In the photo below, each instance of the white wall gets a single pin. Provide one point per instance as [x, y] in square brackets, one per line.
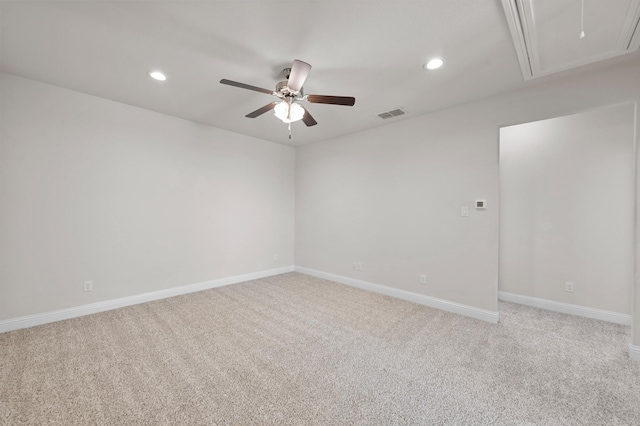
[390, 197]
[134, 200]
[566, 209]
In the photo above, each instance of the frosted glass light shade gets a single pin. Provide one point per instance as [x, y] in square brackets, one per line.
[281, 110]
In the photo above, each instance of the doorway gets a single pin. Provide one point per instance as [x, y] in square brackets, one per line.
[567, 213]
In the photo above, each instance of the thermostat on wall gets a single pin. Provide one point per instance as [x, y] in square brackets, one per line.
[481, 204]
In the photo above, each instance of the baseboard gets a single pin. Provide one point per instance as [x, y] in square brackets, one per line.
[634, 352]
[432, 302]
[566, 308]
[78, 311]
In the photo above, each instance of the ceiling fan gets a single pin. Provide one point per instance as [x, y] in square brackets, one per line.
[288, 109]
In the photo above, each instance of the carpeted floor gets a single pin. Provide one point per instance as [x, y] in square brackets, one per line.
[294, 349]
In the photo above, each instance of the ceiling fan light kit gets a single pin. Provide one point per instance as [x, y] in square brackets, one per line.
[290, 93]
[288, 113]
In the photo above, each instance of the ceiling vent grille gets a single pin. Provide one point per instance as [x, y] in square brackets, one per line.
[393, 113]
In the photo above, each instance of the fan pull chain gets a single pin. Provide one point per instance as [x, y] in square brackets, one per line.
[289, 130]
[582, 21]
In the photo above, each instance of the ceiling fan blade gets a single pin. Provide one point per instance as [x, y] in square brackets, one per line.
[297, 76]
[333, 100]
[260, 111]
[308, 119]
[246, 86]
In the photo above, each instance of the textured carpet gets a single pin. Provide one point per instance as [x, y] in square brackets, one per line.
[294, 349]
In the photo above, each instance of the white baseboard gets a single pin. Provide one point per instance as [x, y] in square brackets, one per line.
[634, 352]
[566, 308]
[78, 311]
[432, 302]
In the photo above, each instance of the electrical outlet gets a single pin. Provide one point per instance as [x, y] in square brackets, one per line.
[359, 266]
[355, 266]
[423, 279]
[88, 285]
[568, 287]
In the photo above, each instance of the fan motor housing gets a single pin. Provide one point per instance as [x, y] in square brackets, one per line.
[282, 88]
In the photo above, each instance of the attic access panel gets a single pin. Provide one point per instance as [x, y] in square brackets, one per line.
[546, 33]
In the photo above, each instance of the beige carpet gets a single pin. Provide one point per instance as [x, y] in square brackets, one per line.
[294, 349]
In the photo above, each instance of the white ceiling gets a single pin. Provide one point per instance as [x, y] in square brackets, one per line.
[372, 50]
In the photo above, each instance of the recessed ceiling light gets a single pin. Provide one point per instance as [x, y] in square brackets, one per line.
[434, 64]
[157, 75]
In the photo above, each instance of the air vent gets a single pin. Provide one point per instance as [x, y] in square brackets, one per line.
[393, 113]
